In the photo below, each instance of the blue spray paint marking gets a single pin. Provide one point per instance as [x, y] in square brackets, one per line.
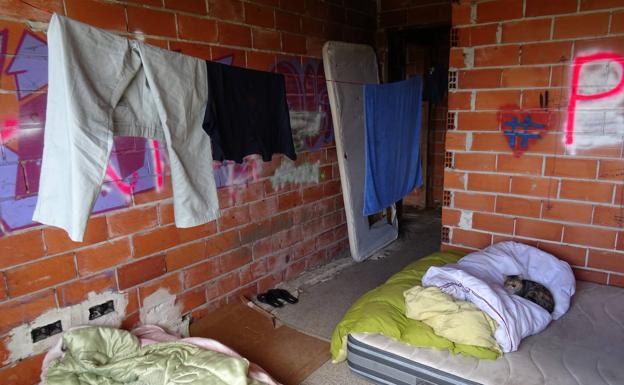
[519, 139]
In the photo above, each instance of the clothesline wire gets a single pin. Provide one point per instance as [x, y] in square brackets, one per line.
[347, 82]
[36, 7]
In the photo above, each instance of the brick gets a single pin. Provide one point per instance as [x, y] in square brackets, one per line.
[611, 169]
[475, 161]
[617, 22]
[499, 10]
[255, 231]
[234, 34]
[433, 14]
[455, 141]
[194, 28]
[525, 77]
[518, 206]
[172, 283]
[24, 372]
[263, 39]
[228, 283]
[589, 236]
[471, 238]
[608, 216]
[39, 10]
[606, 260]
[571, 168]
[477, 121]
[57, 241]
[233, 217]
[191, 299]
[460, 13]
[485, 78]
[75, 292]
[488, 182]
[493, 100]
[24, 310]
[156, 194]
[586, 191]
[141, 271]
[570, 254]
[545, 53]
[288, 200]
[599, 4]
[253, 272]
[581, 25]
[101, 15]
[541, 8]
[20, 248]
[226, 9]
[479, 35]
[293, 5]
[450, 217]
[151, 22]
[469, 201]
[566, 211]
[287, 22]
[457, 58]
[191, 6]
[165, 213]
[526, 30]
[616, 280]
[260, 61]
[293, 43]
[259, 15]
[221, 242]
[591, 276]
[493, 223]
[103, 256]
[454, 180]
[503, 55]
[133, 220]
[312, 27]
[520, 165]
[41, 274]
[538, 229]
[494, 141]
[459, 100]
[202, 272]
[235, 259]
[159, 239]
[185, 255]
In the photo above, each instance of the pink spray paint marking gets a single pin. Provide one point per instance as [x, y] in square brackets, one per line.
[157, 165]
[10, 129]
[579, 62]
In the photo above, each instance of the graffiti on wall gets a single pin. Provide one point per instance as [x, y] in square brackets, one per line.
[522, 128]
[594, 112]
[136, 165]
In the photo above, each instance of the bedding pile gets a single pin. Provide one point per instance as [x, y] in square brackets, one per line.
[479, 277]
[108, 356]
[458, 321]
[382, 311]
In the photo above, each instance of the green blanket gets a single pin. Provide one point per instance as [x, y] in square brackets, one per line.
[382, 311]
[107, 356]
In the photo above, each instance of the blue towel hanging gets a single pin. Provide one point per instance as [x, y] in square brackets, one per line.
[393, 114]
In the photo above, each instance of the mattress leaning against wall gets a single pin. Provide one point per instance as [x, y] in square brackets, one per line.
[347, 68]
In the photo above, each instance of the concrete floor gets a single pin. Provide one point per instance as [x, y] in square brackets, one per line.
[322, 304]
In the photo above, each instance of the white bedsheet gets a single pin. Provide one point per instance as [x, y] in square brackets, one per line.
[479, 278]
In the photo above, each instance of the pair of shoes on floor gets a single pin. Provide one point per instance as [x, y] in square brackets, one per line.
[273, 297]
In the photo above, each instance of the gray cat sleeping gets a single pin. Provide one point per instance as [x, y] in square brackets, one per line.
[531, 290]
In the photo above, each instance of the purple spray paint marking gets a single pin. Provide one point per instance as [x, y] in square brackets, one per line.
[30, 65]
[4, 42]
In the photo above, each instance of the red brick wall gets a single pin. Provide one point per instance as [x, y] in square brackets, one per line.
[561, 190]
[264, 235]
[409, 13]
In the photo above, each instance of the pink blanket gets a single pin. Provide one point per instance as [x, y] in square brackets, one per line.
[150, 334]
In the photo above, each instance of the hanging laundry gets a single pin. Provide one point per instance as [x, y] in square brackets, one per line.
[103, 85]
[247, 113]
[392, 142]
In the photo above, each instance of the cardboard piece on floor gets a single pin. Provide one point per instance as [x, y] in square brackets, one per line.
[285, 353]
